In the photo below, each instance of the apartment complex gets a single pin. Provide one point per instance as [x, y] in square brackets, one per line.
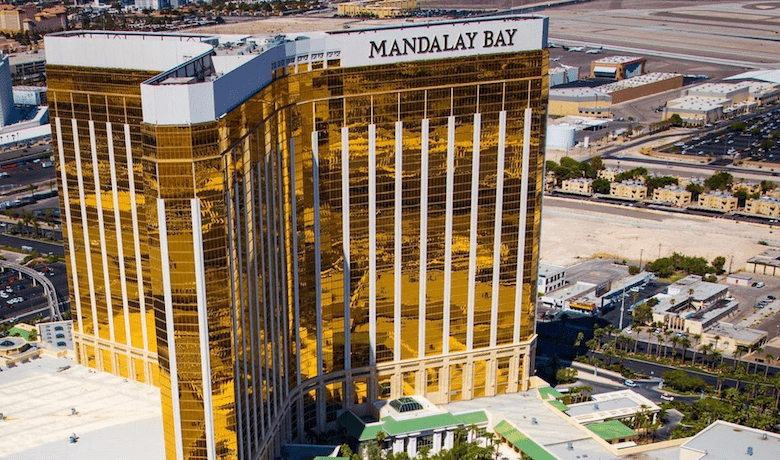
[27, 18]
[275, 231]
[630, 190]
[718, 200]
[377, 8]
[674, 195]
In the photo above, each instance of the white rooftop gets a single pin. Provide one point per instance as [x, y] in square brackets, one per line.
[611, 405]
[729, 441]
[116, 419]
[697, 103]
[617, 59]
[771, 76]
[639, 80]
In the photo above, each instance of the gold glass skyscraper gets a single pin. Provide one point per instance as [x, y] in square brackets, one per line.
[274, 230]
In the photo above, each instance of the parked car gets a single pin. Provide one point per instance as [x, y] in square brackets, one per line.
[667, 397]
[629, 383]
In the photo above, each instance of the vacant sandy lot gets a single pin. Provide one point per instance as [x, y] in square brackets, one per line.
[574, 230]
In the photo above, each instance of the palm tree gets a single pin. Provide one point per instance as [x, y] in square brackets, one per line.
[675, 341]
[685, 342]
[697, 339]
[769, 358]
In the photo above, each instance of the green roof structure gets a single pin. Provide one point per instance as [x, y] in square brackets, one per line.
[22, 333]
[547, 392]
[611, 430]
[412, 425]
[522, 442]
[558, 405]
[472, 418]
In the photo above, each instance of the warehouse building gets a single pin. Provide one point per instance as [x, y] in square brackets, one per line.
[562, 75]
[641, 86]
[618, 67]
[580, 101]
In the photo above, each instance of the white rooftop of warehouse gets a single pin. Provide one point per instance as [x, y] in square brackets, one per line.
[617, 59]
[578, 91]
[639, 80]
[116, 418]
[697, 103]
[771, 76]
[729, 441]
[580, 122]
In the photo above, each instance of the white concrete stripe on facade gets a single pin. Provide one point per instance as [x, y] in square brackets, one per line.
[102, 232]
[399, 133]
[239, 356]
[345, 239]
[203, 327]
[85, 226]
[283, 264]
[118, 231]
[318, 260]
[136, 236]
[523, 222]
[423, 234]
[497, 226]
[473, 231]
[66, 203]
[169, 325]
[296, 288]
[261, 388]
[252, 284]
[372, 243]
[274, 274]
[448, 232]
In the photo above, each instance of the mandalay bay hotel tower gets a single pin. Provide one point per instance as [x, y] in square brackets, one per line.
[273, 230]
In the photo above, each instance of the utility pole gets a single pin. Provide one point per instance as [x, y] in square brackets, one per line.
[641, 253]
[622, 307]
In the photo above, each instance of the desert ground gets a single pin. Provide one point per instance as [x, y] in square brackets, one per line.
[573, 230]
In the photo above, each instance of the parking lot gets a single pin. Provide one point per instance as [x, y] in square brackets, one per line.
[20, 299]
[759, 141]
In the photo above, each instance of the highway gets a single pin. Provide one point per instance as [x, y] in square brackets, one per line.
[40, 246]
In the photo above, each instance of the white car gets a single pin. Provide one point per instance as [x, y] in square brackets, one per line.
[667, 397]
[629, 383]
[3, 294]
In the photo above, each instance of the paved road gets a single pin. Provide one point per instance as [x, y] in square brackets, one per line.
[40, 246]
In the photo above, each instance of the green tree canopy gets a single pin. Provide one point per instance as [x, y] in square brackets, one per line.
[719, 181]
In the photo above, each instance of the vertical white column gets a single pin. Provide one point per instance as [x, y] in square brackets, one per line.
[497, 227]
[372, 242]
[523, 222]
[136, 236]
[473, 230]
[296, 291]
[118, 231]
[346, 241]
[85, 226]
[399, 132]
[169, 325]
[69, 223]
[448, 233]
[318, 260]
[203, 327]
[423, 234]
[102, 230]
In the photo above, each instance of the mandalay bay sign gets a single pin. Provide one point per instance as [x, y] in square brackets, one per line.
[439, 43]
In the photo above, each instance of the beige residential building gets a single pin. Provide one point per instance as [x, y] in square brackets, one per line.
[26, 18]
[610, 173]
[718, 200]
[673, 194]
[579, 185]
[379, 8]
[632, 190]
[750, 187]
[763, 206]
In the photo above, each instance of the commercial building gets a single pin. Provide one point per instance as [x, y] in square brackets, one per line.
[6, 93]
[674, 195]
[718, 200]
[763, 206]
[580, 101]
[28, 68]
[727, 441]
[691, 305]
[29, 95]
[696, 109]
[562, 75]
[276, 235]
[579, 186]
[766, 263]
[57, 335]
[618, 67]
[729, 338]
[630, 190]
[614, 405]
[641, 86]
[377, 8]
[26, 18]
[551, 277]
